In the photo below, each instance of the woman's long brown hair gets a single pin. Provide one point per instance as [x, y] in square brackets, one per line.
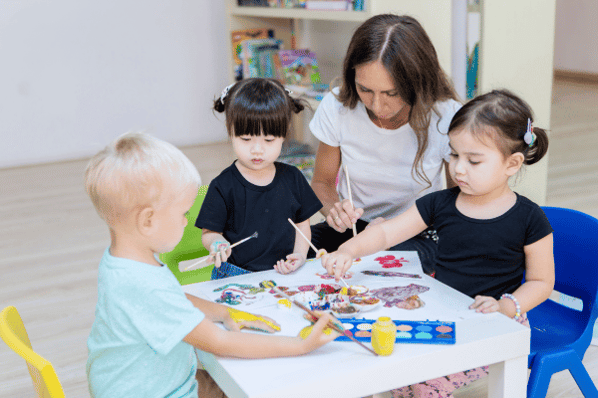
[407, 53]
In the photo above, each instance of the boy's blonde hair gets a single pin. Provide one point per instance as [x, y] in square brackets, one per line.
[134, 171]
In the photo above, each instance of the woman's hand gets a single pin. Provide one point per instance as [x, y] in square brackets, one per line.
[293, 262]
[342, 215]
[485, 304]
[337, 264]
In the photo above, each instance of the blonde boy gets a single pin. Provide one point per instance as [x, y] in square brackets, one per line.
[141, 342]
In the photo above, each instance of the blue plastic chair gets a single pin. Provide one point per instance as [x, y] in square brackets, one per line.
[561, 335]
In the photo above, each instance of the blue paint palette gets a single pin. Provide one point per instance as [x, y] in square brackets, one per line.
[418, 332]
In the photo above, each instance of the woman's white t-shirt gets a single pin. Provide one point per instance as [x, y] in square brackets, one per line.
[380, 160]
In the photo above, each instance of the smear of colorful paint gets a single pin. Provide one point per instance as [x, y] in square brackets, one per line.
[390, 261]
[391, 274]
[324, 275]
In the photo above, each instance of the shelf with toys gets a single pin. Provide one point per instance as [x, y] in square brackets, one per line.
[327, 33]
[305, 28]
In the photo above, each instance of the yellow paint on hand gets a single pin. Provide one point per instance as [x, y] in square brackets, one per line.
[242, 316]
[306, 331]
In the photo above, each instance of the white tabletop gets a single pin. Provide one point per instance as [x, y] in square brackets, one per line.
[344, 369]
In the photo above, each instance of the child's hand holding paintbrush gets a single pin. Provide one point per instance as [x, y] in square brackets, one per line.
[331, 322]
[220, 249]
[296, 260]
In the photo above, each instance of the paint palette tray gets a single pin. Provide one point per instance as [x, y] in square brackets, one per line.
[418, 332]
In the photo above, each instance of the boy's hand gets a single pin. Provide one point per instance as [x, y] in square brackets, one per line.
[485, 304]
[294, 261]
[238, 320]
[337, 263]
[317, 337]
[220, 251]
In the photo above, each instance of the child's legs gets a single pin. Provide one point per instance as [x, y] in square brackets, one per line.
[227, 269]
[206, 386]
[441, 387]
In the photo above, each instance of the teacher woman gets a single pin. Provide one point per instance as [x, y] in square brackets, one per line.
[388, 123]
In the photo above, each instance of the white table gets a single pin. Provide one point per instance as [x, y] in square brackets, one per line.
[344, 369]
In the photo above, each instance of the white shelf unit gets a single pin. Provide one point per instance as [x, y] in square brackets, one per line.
[435, 16]
[299, 13]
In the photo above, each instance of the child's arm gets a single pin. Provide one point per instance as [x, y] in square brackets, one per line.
[538, 285]
[218, 246]
[210, 338]
[296, 259]
[372, 240]
[220, 313]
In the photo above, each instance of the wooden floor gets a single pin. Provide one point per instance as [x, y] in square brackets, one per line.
[51, 241]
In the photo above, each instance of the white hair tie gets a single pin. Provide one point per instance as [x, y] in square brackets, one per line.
[225, 92]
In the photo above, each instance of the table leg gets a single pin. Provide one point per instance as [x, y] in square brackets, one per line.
[508, 379]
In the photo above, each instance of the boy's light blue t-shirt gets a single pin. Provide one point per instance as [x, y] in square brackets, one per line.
[136, 346]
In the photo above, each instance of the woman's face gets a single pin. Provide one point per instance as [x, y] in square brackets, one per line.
[377, 91]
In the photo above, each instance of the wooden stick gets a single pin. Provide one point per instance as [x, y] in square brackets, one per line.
[304, 237]
[331, 324]
[311, 244]
[208, 256]
[350, 197]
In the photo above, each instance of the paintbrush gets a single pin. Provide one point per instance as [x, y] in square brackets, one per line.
[236, 244]
[311, 244]
[305, 237]
[315, 316]
[350, 197]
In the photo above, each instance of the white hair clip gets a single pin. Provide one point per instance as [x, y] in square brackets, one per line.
[225, 92]
[529, 137]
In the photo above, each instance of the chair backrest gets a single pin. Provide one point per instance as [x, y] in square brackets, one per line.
[190, 246]
[12, 331]
[576, 259]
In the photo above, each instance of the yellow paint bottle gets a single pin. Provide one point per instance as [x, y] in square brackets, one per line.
[383, 335]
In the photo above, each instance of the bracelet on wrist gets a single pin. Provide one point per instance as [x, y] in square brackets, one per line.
[509, 296]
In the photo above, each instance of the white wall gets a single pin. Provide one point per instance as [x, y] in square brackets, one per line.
[75, 74]
[576, 36]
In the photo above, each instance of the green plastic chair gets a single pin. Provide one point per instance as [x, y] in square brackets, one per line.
[190, 247]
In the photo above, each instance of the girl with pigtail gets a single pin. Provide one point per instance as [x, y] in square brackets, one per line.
[489, 235]
[256, 193]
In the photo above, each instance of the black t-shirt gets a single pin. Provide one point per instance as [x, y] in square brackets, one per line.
[482, 257]
[237, 208]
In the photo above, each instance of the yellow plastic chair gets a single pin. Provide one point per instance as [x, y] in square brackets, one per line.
[12, 331]
[190, 247]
